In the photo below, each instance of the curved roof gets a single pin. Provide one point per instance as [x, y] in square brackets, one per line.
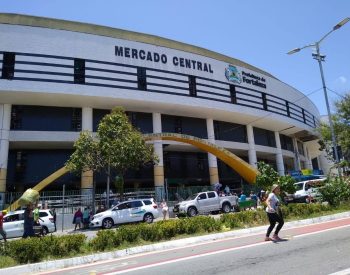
[35, 21]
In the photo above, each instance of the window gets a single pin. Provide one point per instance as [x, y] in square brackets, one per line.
[202, 196]
[13, 218]
[233, 94]
[123, 206]
[141, 79]
[134, 204]
[79, 71]
[192, 85]
[8, 65]
[43, 214]
[147, 202]
[286, 143]
[211, 195]
[230, 131]
[264, 137]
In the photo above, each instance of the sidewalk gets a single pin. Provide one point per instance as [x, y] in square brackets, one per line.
[64, 263]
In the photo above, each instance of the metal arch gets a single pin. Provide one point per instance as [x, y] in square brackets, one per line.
[247, 171]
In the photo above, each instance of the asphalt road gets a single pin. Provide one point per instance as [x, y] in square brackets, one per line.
[314, 249]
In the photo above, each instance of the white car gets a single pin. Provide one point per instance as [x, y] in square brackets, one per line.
[14, 223]
[127, 212]
[307, 190]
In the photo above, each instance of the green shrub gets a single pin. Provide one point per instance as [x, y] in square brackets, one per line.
[29, 250]
[129, 233]
[151, 232]
[63, 246]
[336, 191]
[231, 220]
[6, 261]
[170, 228]
[105, 240]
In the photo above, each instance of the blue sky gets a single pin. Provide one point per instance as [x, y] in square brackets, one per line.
[254, 31]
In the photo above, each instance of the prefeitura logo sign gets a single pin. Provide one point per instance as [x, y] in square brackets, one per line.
[233, 75]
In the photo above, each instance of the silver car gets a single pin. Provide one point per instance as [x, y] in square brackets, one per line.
[14, 223]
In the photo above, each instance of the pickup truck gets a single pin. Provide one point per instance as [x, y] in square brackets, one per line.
[205, 202]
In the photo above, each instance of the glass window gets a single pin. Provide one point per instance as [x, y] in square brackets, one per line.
[211, 195]
[202, 196]
[286, 143]
[185, 125]
[147, 202]
[264, 137]
[230, 131]
[8, 65]
[134, 204]
[43, 214]
[123, 206]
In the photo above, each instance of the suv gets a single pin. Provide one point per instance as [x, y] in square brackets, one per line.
[14, 223]
[127, 212]
[307, 191]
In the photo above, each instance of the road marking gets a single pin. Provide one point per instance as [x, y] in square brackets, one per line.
[213, 253]
[342, 272]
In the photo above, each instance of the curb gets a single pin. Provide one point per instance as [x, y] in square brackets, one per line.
[64, 263]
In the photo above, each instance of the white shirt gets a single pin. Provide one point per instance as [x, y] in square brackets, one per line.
[273, 202]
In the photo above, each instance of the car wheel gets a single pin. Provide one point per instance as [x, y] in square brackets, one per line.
[107, 223]
[226, 208]
[45, 231]
[192, 211]
[148, 218]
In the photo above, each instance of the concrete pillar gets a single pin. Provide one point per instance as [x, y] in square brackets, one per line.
[297, 165]
[213, 163]
[279, 156]
[251, 143]
[5, 122]
[86, 183]
[158, 150]
[307, 157]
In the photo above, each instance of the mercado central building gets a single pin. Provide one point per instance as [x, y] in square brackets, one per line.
[59, 78]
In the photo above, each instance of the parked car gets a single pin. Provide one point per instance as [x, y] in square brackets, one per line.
[307, 191]
[205, 202]
[127, 212]
[14, 223]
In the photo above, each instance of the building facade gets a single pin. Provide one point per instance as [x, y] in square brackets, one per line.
[60, 77]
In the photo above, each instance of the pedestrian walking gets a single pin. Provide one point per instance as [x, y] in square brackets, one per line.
[2, 231]
[28, 222]
[77, 219]
[274, 214]
[165, 209]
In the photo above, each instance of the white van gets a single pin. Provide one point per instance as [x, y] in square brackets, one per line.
[307, 191]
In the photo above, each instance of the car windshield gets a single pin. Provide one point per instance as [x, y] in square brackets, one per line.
[192, 197]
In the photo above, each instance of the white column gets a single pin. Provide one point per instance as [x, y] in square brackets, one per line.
[87, 183]
[213, 164]
[279, 156]
[296, 155]
[158, 151]
[87, 119]
[307, 157]
[5, 122]
[251, 143]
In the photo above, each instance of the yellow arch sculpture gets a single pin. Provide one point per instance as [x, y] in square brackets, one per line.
[248, 172]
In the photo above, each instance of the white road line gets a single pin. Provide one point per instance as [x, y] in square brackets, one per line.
[215, 252]
[342, 272]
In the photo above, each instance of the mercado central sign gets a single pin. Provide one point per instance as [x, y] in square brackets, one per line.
[232, 73]
[155, 57]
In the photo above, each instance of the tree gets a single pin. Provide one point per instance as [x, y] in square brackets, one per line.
[117, 146]
[341, 121]
[268, 176]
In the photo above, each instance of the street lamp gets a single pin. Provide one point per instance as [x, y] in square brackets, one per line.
[321, 58]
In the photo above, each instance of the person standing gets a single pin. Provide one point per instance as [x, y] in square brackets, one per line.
[2, 231]
[86, 218]
[54, 215]
[274, 214]
[165, 208]
[28, 222]
[78, 216]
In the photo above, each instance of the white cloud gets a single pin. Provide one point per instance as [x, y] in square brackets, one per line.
[341, 80]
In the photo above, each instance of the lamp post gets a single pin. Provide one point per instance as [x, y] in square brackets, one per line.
[321, 58]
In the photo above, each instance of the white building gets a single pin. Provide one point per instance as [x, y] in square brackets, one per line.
[60, 77]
